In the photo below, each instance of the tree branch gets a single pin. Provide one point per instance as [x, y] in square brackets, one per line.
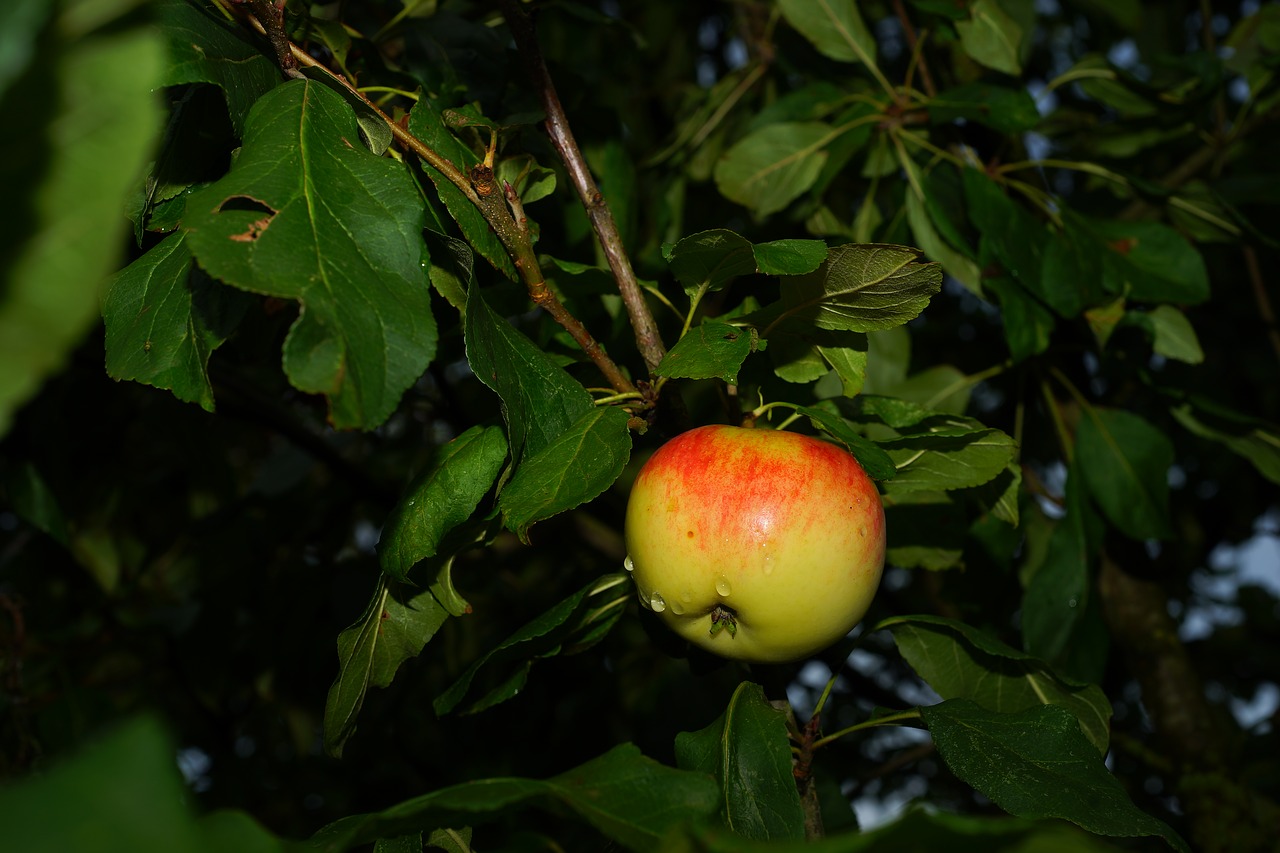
[1223, 814]
[648, 339]
[478, 187]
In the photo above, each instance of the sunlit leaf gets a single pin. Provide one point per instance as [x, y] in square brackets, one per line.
[539, 399]
[307, 213]
[709, 260]
[164, 318]
[1036, 763]
[440, 498]
[960, 661]
[859, 288]
[748, 752]
[205, 48]
[575, 467]
[709, 350]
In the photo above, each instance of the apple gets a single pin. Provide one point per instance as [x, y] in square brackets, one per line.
[755, 544]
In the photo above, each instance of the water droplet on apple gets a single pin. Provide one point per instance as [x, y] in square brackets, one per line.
[677, 608]
[628, 565]
[656, 603]
[862, 531]
[722, 585]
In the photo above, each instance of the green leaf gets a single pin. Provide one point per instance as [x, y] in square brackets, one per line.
[34, 502]
[80, 117]
[164, 318]
[1126, 464]
[1058, 593]
[426, 124]
[1111, 90]
[1172, 334]
[1028, 325]
[921, 829]
[1071, 268]
[204, 48]
[631, 799]
[375, 133]
[1150, 262]
[1037, 764]
[795, 359]
[709, 350]
[450, 840]
[948, 457]
[306, 214]
[873, 460]
[452, 267]
[539, 399]
[748, 752]
[1254, 440]
[999, 496]
[394, 628]
[961, 662]
[532, 181]
[440, 498]
[926, 530]
[1015, 238]
[848, 360]
[128, 796]
[571, 625]
[771, 167]
[999, 107]
[789, 257]
[834, 27]
[578, 465]
[991, 38]
[859, 288]
[709, 260]
[961, 268]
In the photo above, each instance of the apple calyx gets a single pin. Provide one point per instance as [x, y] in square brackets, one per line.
[723, 619]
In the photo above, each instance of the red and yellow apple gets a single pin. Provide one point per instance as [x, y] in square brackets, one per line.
[755, 544]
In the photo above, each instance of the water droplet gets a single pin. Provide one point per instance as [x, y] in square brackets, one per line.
[722, 585]
[677, 608]
[656, 603]
[686, 596]
[1071, 602]
[862, 531]
[628, 565]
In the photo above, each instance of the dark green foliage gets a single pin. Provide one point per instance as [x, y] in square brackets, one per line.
[364, 383]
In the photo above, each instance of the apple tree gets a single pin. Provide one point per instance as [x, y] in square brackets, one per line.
[334, 336]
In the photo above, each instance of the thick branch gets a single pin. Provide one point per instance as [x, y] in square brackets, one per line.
[1224, 815]
[648, 339]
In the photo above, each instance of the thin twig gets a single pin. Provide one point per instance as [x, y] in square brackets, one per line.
[648, 338]
[1265, 310]
[479, 190]
[912, 41]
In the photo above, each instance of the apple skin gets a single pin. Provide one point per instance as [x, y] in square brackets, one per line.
[782, 530]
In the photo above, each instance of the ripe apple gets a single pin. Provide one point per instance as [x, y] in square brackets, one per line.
[755, 544]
